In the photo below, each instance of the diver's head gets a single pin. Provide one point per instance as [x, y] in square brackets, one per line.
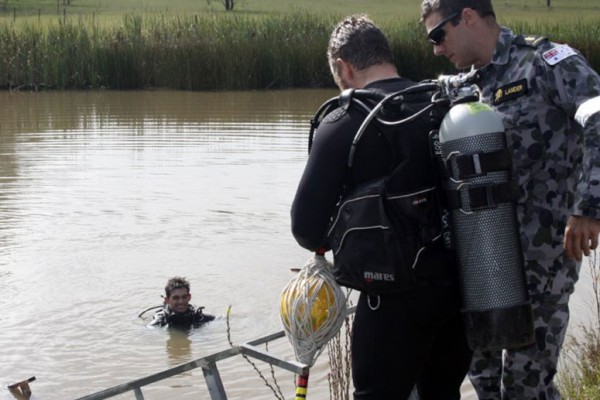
[359, 53]
[177, 294]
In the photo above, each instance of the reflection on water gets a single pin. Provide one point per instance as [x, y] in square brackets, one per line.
[105, 195]
[179, 346]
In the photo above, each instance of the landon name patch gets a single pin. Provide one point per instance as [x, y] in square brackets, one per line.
[510, 91]
[557, 53]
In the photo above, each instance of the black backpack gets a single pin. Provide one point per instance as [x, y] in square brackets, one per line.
[385, 234]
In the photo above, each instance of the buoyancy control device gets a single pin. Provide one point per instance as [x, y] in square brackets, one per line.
[481, 197]
[385, 233]
[479, 223]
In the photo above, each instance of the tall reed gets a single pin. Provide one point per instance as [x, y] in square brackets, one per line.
[214, 51]
[340, 354]
[579, 379]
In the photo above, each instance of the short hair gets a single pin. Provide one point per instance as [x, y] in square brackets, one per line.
[358, 41]
[176, 282]
[448, 7]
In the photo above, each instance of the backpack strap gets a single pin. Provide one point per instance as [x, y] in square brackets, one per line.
[321, 113]
[344, 101]
[345, 98]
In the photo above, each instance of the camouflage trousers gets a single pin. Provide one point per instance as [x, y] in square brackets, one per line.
[526, 373]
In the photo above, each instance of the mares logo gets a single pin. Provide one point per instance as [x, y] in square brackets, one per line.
[378, 276]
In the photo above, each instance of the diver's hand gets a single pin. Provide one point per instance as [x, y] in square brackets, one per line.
[581, 236]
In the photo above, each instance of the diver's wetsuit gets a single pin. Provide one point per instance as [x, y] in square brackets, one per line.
[412, 337]
[193, 317]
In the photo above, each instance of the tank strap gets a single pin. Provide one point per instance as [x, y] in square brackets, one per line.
[477, 164]
[483, 196]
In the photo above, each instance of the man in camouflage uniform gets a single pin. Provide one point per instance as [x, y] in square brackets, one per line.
[549, 99]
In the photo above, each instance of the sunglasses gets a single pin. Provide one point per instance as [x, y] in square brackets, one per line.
[437, 34]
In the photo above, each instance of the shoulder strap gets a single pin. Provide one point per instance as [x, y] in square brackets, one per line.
[396, 100]
[321, 113]
[529, 40]
[375, 104]
[366, 97]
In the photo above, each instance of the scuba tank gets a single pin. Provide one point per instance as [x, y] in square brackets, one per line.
[481, 200]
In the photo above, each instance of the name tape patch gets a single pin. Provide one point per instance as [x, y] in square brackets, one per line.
[510, 91]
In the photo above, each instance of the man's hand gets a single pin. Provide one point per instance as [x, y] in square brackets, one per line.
[581, 236]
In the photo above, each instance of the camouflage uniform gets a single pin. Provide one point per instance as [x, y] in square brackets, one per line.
[539, 88]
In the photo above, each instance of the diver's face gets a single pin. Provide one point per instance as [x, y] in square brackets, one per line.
[179, 300]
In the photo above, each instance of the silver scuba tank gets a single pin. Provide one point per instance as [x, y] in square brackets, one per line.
[485, 229]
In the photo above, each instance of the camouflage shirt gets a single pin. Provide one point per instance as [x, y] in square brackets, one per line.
[549, 99]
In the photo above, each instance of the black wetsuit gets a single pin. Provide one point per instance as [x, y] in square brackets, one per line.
[192, 318]
[412, 337]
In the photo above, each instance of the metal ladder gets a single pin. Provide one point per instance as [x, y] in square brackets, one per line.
[209, 369]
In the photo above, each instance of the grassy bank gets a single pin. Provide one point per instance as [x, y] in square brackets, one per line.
[529, 10]
[196, 45]
[579, 379]
[180, 52]
[213, 51]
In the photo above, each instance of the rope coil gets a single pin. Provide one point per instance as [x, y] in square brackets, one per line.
[313, 308]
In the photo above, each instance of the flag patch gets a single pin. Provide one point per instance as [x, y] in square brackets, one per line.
[557, 54]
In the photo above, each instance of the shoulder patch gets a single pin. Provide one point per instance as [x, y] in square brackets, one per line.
[530, 40]
[334, 116]
[557, 54]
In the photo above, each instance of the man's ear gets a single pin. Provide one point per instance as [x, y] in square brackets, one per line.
[468, 15]
[345, 69]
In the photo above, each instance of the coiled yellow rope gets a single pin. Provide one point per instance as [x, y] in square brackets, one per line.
[313, 308]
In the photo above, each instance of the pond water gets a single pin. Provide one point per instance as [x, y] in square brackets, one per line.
[105, 195]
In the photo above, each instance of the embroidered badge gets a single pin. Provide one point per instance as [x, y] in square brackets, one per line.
[557, 54]
[510, 91]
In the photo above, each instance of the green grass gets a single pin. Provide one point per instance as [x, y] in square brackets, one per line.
[579, 377]
[197, 45]
[380, 10]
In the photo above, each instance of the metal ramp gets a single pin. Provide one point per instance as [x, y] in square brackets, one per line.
[209, 369]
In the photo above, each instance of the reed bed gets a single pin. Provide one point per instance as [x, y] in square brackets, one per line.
[579, 378]
[183, 52]
[214, 51]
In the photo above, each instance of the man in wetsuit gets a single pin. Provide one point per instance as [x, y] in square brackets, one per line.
[411, 337]
[177, 311]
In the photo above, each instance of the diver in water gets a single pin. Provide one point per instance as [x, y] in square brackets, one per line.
[177, 312]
